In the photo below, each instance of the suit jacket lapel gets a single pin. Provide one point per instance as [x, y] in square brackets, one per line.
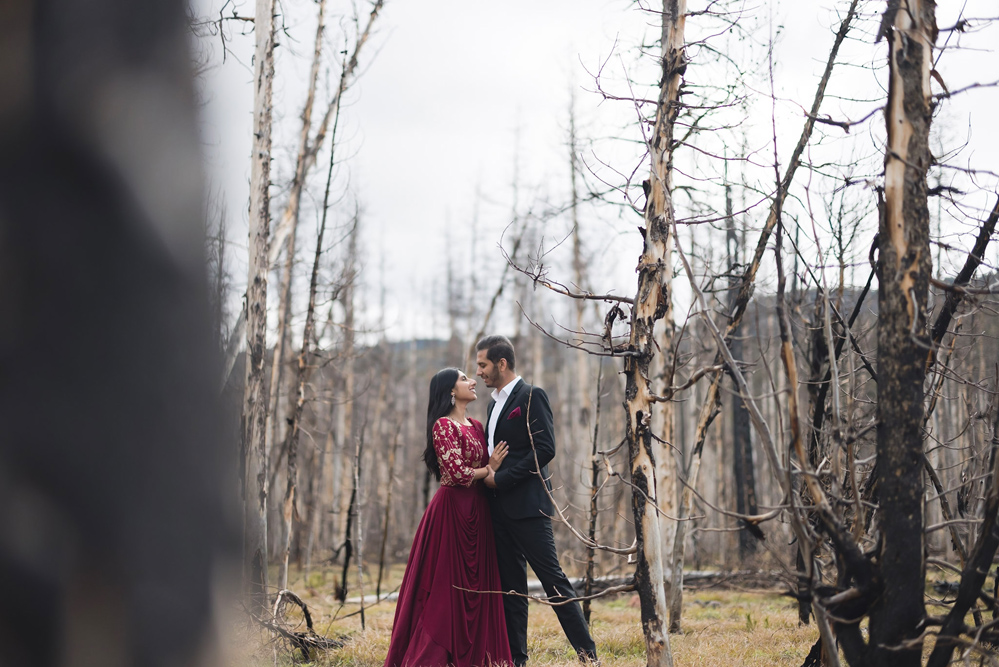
[509, 403]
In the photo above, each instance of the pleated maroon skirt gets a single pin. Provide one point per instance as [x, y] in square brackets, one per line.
[437, 624]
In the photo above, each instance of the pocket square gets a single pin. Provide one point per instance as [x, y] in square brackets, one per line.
[514, 413]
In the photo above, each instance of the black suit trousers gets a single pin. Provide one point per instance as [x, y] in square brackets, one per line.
[523, 541]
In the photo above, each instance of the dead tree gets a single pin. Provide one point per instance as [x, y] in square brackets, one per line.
[289, 221]
[346, 414]
[904, 272]
[305, 160]
[353, 516]
[591, 531]
[388, 511]
[653, 303]
[286, 233]
[357, 537]
[743, 470]
[321, 495]
[304, 371]
[711, 405]
[255, 399]
[581, 376]
[309, 149]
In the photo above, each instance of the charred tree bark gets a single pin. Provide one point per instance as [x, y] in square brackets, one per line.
[742, 464]
[904, 272]
[819, 381]
[255, 399]
[742, 461]
[348, 546]
[352, 533]
[652, 304]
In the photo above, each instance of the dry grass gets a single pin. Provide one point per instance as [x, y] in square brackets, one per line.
[724, 628]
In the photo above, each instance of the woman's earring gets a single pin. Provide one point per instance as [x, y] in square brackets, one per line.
[452, 399]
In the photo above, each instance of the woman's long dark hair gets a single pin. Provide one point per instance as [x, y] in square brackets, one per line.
[438, 406]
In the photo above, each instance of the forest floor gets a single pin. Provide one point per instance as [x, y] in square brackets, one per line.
[720, 627]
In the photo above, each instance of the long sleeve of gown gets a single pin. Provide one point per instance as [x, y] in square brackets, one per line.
[454, 470]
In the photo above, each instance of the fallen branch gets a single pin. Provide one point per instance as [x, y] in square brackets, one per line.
[545, 600]
[308, 642]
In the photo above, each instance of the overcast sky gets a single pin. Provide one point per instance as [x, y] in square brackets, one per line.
[453, 90]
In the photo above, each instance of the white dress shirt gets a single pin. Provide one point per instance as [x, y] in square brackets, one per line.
[500, 396]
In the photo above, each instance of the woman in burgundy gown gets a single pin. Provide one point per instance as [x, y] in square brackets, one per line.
[437, 624]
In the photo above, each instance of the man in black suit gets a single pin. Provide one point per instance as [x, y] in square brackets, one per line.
[520, 415]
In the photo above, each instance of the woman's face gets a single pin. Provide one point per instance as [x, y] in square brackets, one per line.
[464, 389]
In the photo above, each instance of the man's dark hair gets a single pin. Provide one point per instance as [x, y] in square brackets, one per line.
[498, 347]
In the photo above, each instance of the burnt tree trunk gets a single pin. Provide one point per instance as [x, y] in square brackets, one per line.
[742, 461]
[652, 304]
[903, 274]
[255, 399]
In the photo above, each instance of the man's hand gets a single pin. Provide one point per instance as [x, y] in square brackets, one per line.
[490, 479]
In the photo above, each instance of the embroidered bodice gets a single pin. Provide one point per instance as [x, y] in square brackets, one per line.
[460, 449]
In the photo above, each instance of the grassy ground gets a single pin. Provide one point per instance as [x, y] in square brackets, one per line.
[724, 628]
